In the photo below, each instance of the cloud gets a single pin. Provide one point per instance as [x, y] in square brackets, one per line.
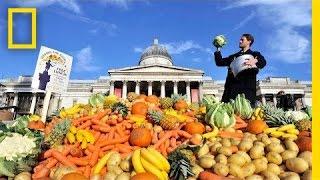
[138, 50]
[244, 21]
[84, 60]
[196, 60]
[99, 25]
[121, 3]
[180, 47]
[71, 5]
[285, 42]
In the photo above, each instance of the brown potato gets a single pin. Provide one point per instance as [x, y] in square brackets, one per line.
[245, 145]
[221, 169]
[221, 159]
[226, 142]
[256, 152]
[225, 150]
[307, 156]
[237, 159]
[248, 169]
[287, 154]
[297, 165]
[260, 165]
[271, 167]
[291, 145]
[274, 157]
[289, 176]
[275, 147]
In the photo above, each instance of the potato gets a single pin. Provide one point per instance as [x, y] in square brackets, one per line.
[23, 176]
[274, 157]
[123, 176]
[226, 142]
[254, 177]
[291, 145]
[271, 167]
[248, 169]
[225, 150]
[196, 170]
[256, 152]
[275, 140]
[266, 140]
[258, 143]
[307, 156]
[245, 155]
[221, 169]
[275, 147]
[237, 159]
[221, 159]
[307, 175]
[297, 165]
[125, 165]
[265, 159]
[287, 154]
[235, 170]
[206, 162]
[260, 136]
[203, 150]
[114, 160]
[110, 176]
[289, 176]
[270, 175]
[234, 142]
[245, 145]
[283, 168]
[260, 165]
[214, 148]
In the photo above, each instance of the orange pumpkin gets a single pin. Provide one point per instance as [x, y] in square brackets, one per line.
[144, 176]
[194, 128]
[142, 96]
[180, 105]
[152, 99]
[37, 125]
[256, 126]
[304, 143]
[74, 175]
[140, 137]
[139, 108]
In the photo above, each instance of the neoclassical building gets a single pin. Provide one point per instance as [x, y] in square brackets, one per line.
[155, 74]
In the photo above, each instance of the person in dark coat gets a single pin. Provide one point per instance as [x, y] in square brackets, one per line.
[245, 81]
[285, 101]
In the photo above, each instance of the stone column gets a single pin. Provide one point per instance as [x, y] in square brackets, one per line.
[163, 89]
[263, 99]
[149, 88]
[111, 91]
[303, 100]
[124, 90]
[33, 103]
[15, 100]
[188, 91]
[137, 90]
[175, 87]
[275, 100]
[200, 91]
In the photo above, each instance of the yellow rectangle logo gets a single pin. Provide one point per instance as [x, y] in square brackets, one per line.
[33, 44]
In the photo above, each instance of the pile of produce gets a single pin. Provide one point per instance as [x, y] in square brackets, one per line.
[146, 137]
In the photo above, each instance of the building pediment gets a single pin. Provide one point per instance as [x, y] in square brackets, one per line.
[155, 69]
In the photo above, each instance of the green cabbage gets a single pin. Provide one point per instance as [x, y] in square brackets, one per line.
[219, 41]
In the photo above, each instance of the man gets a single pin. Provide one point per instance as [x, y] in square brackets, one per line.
[245, 81]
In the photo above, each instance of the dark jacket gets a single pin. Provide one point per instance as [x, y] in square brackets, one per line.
[245, 82]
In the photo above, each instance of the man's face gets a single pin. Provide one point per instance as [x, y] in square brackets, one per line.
[244, 42]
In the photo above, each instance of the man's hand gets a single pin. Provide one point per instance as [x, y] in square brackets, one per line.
[251, 62]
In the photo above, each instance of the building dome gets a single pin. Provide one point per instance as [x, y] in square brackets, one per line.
[155, 54]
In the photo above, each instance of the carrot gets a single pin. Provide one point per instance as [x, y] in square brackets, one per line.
[123, 148]
[128, 126]
[97, 122]
[76, 122]
[173, 142]
[116, 135]
[235, 135]
[111, 134]
[87, 171]
[103, 171]
[100, 114]
[154, 138]
[170, 149]
[163, 139]
[48, 153]
[94, 157]
[78, 161]
[96, 135]
[163, 150]
[85, 125]
[206, 175]
[82, 168]
[62, 158]
[127, 132]
[167, 143]
[51, 163]
[38, 167]
[119, 131]
[76, 152]
[44, 172]
[181, 126]
[239, 120]
[87, 152]
[124, 155]
[92, 148]
[115, 141]
[184, 134]
[240, 125]
[161, 134]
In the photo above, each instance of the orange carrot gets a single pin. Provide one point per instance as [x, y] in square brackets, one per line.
[76, 152]
[87, 171]
[163, 150]
[119, 131]
[76, 122]
[163, 139]
[239, 120]
[48, 153]
[124, 155]
[100, 114]
[38, 167]
[170, 149]
[103, 171]
[96, 135]
[115, 141]
[154, 138]
[161, 134]
[184, 134]
[111, 134]
[51, 163]
[62, 158]
[167, 143]
[94, 157]
[123, 148]
[127, 132]
[78, 161]
[226, 134]
[116, 135]
[181, 125]
[173, 142]
[240, 125]
[44, 172]
[206, 175]
[85, 125]
[87, 152]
